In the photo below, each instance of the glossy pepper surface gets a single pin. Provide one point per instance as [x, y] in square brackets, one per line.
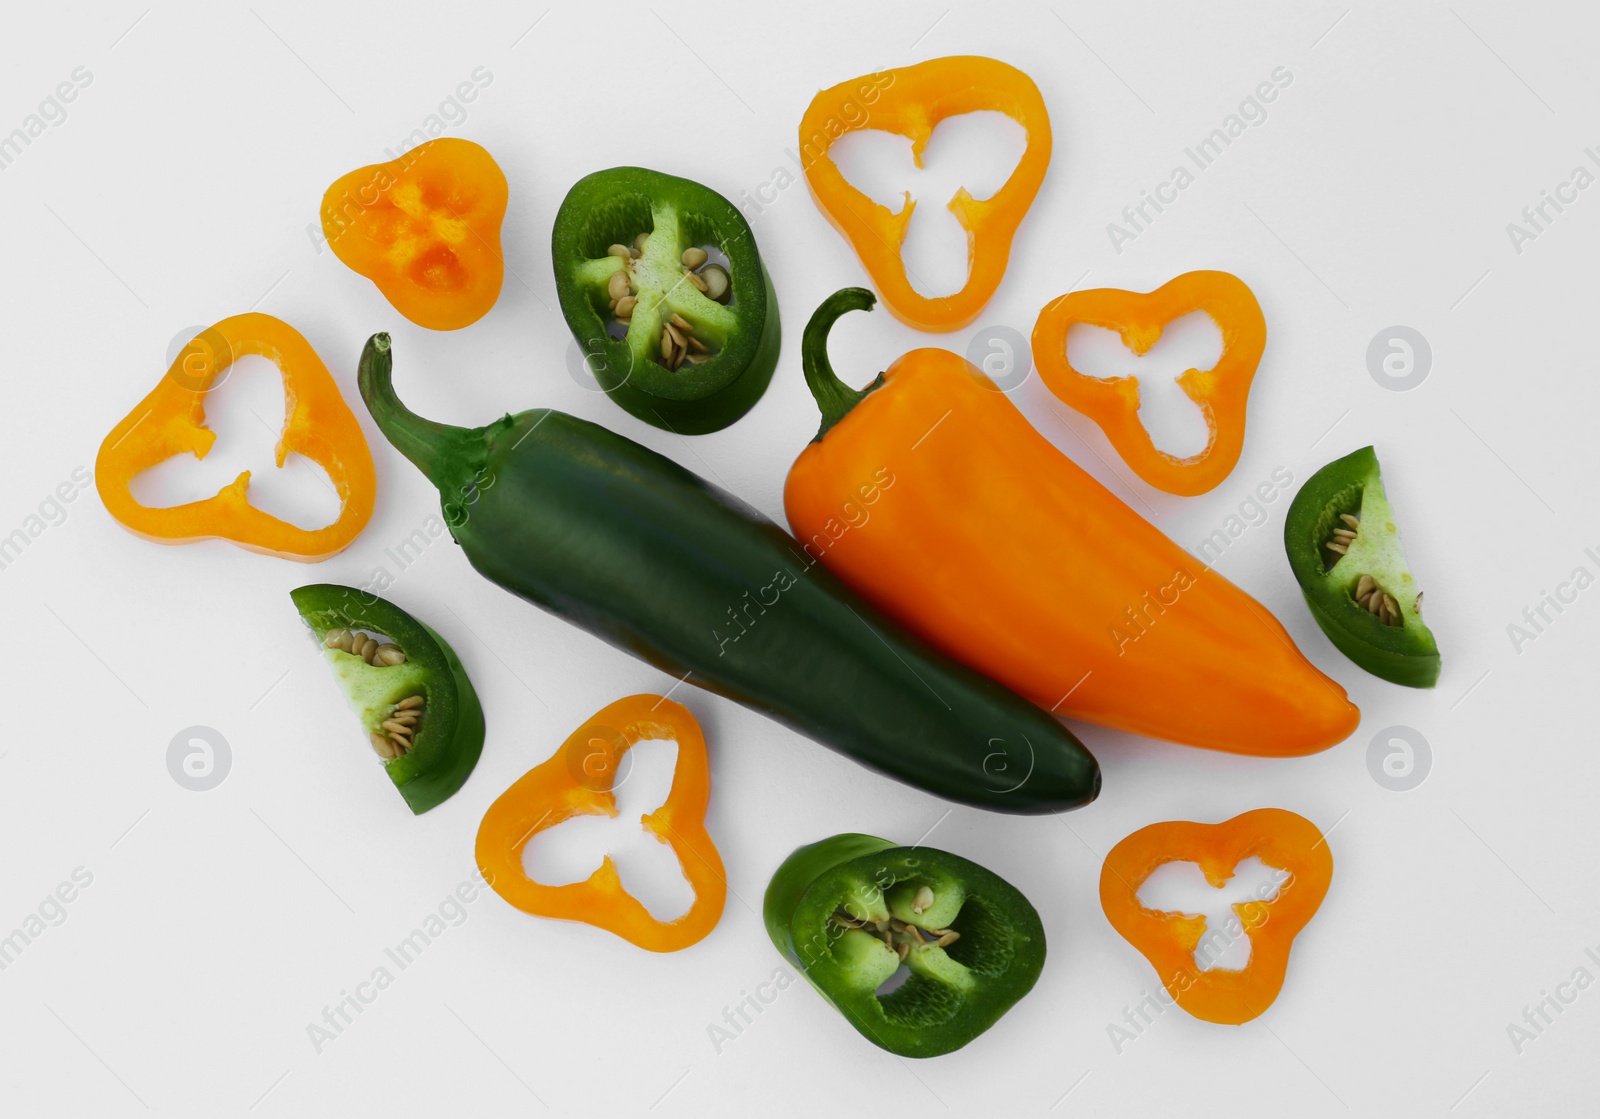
[420, 711]
[425, 228]
[577, 781]
[1282, 840]
[911, 101]
[1221, 392]
[1344, 549]
[852, 910]
[633, 548]
[680, 340]
[1001, 551]
[171, 421]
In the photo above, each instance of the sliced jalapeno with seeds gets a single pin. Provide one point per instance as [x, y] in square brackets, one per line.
[853, 911]
[1344, 549]
[409, 689]
[679, 339]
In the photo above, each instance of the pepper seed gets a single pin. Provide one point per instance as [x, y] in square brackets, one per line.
[718, 284]
[693, 258]
[625, 306]
[617, 286]
[621, 251]
[383, 746]
[639, 243]
[409, 702]
[923, 900]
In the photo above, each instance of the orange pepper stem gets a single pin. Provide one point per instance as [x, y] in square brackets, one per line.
[833, 396]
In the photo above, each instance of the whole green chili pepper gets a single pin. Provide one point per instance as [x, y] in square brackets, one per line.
[633, 548]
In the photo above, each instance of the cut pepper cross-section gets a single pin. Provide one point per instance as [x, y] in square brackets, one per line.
[852, 911]
[171, 421]
[410, 691]
[1344, 549]
[911, 101]
[662, 286]
[577, 780]
[1282, 840]
[1221, 392]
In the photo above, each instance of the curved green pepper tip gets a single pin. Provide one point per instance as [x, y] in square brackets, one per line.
[1344, 548]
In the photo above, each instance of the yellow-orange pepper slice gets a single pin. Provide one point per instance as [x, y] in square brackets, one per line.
[577, 781]
[911, 101]
[1220, 392]
[171, 421]
[426, 229]
[1280, 839]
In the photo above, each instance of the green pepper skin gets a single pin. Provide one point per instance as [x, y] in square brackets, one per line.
[611, 207]
[952, 994]
[450, 738]
[1405, 654]
[633, 548]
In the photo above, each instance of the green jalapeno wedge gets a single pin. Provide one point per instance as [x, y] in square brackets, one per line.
[405, 684]
[852, 911]
[662, 286]
[1344, 549]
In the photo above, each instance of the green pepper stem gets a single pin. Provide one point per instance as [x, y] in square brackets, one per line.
[834, 397]
[426, 443]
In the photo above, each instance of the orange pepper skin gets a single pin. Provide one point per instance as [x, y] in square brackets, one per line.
[171, 421]
[1221, 393]
[936, 500]
[577, 781]
[911, 101]
[425, 228]
[1282, 840]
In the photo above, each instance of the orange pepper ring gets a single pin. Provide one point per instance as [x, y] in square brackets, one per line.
[1281, 839]
[923, 95]
[171, 421]
[1221, 392]
[567, 785]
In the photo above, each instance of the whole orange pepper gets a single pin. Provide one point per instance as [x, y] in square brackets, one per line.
[911, 101]
[1282, 840]
[425, 228]
[577, 781]
[171, 421]
[1221, 392]
[932, 496]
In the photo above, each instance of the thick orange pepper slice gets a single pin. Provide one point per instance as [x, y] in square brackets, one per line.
[1282, 840]
[171, 421]
[911, 101]
[577, 781]
[1221, 392]
[426, 229]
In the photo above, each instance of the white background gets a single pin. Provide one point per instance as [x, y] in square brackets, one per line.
[219, 924]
